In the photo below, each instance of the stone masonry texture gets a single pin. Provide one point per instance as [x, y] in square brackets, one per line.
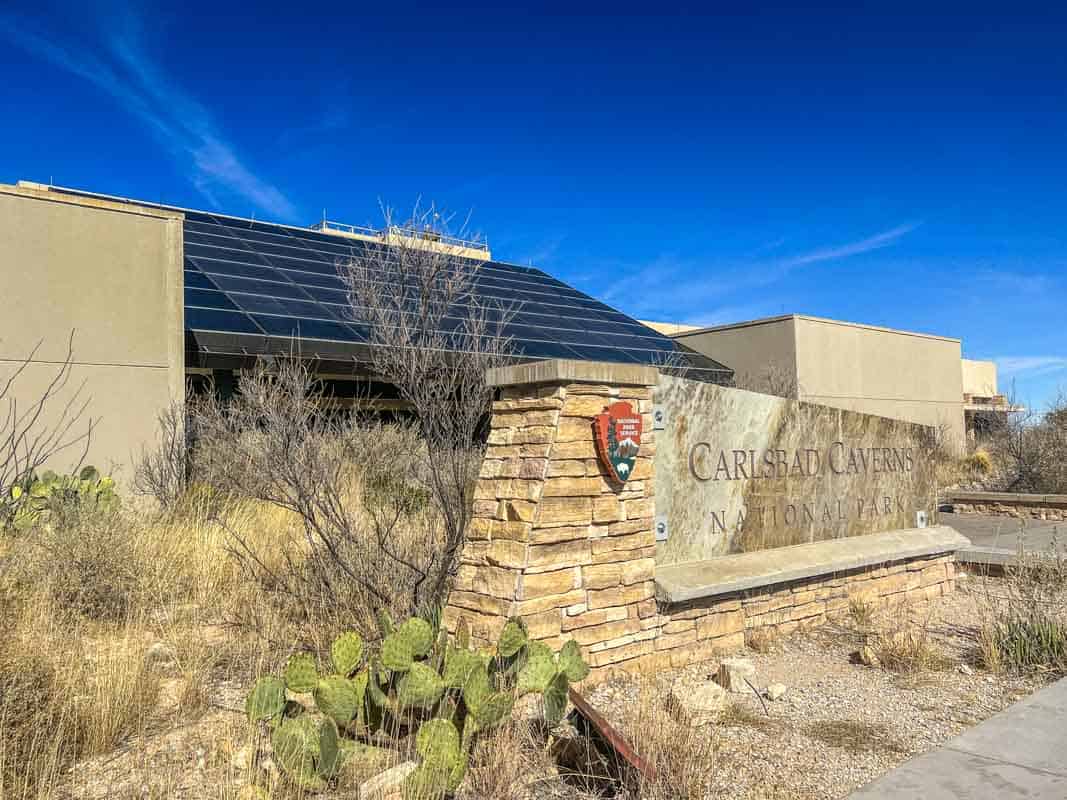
[556, 541]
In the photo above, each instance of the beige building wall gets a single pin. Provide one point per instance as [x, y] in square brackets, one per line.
[750, 349]
[890, 373]
[111, 273]
[881, 371]
[979, 378]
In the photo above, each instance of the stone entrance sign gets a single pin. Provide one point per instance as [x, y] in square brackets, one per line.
[558, 539]
[738, 471]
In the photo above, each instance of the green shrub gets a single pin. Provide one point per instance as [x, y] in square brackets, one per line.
[36, 500]
[1024, 624]
[416, 681]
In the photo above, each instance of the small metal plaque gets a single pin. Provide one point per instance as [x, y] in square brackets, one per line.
[661, 528]
[920, 519]
[659, 418]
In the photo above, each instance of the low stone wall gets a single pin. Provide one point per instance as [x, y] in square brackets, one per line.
[1052, 507]
[699, 629]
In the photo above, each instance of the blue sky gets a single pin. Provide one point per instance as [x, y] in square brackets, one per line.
[902, 167]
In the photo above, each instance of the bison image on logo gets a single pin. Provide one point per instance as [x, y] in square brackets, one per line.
[618, 438]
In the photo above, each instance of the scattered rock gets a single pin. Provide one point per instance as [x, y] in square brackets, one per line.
[966, 669]
[866, 656]
[696, 704]
[388, 785]
[733, 672]
[776, 691]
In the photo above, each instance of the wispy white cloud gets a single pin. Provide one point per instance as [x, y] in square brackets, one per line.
[876, 242]
[182, 124]
[1031, 366]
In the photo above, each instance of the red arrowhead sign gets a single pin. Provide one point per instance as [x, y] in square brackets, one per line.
[618, 438]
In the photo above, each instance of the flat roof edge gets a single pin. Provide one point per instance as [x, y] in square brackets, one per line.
[810, 318]
[40, 191]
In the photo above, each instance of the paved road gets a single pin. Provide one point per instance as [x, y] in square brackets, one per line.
[995, 540]
[1021, 752]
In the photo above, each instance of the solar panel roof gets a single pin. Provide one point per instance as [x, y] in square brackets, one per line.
[254, 287]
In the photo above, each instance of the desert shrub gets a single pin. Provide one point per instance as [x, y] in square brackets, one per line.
[371, 530]
[49, 499]
[164, 471]
[1033, 449]
[1024, 614]
[87, 561]
[979, 462]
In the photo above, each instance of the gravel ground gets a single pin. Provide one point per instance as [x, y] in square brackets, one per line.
[841, 725]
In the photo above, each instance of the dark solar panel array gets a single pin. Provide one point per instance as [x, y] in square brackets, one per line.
[251, 279]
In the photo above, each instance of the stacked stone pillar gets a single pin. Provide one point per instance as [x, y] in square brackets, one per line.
[554, 539]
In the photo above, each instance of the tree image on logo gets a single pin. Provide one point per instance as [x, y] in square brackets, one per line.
[618, 439]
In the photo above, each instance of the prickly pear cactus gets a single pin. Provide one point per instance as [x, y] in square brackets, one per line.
[266, 700]
[416, 677]
[337, 698]
[421, 687]
[347, 653]
[296, 746]
[301, 674]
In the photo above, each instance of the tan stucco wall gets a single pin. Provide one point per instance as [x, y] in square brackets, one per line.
[749, 349]
[979, 377]
[890, 373]
[112, 273]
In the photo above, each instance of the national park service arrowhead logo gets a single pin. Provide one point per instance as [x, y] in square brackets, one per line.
[618, 438]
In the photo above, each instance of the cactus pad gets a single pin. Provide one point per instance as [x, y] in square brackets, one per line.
[266, 700]
[347, 653]
[301, 674]
[493, 710]
[337, 698]
[419, 635]
[438, 743]
[330, 755]
[539, 669]
[459, 664]
[421, 687]
[427, 782]
[296, 746]
[397, 652]
[556, 699]
[512, 638]
[571, 663]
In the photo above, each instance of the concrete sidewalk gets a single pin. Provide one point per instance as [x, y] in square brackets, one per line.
[995, 540]
[1020, 752]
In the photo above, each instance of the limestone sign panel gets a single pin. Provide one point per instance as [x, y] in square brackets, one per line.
[738, 471]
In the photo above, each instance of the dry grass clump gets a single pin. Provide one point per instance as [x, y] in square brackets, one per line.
[1024, 614]
[507, 763]
[82, 616]
[683, 758]
[910, 649]
[854, 736]
[65, 693]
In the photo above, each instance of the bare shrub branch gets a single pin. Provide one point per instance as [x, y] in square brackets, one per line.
[36, 430]
[164, 470]
[355, 485]
[434, 337]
